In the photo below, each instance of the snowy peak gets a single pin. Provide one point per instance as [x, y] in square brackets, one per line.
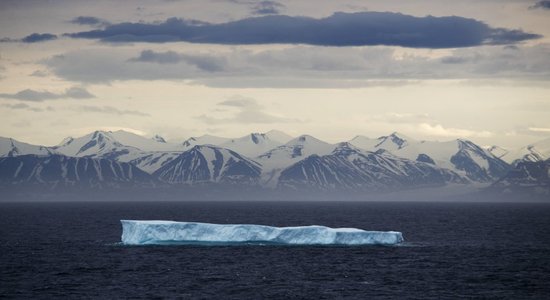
[157, 143]
[65, 141]
[538, 151]
[477, 163]
[462, 156]
[308, 140]
[364, 143]
[10, 147]
[350, 168]
[467, 145]
[394, 141]
[204, 140]
[278, 136]
[257, 138]
[498, 151]
[345, 149]
[527, 178]
[209, 164]
[277, 159]
[251, 145]
[159, 139]
[108, 143]
[298, 148]
[94, 145]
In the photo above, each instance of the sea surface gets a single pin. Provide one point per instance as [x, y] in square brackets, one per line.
[452, 250]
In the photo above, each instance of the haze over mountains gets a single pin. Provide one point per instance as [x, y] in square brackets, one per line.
[272, 161]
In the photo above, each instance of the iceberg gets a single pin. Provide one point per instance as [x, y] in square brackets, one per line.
[135, 232]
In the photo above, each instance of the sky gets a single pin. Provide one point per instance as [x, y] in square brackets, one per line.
[429, 69]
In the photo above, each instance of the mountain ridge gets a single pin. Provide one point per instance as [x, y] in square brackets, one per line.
[394, 161]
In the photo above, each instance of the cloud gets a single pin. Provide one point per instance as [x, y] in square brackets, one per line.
[248, 111]
[38, 37]
[206, 63]
[536, 131]
[303, 66]
[8, 40]
[77, 93]
[422, 124]
[545, 4]
[241, 102]
[268, 8]
[87, 20]
[110, 110]
[39, 73]
[539, 129]
[339, 29]
[39, 96]
[22, 106]
[440, 130]
[400, 118]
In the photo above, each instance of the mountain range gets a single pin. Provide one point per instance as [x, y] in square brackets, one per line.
[272, 160]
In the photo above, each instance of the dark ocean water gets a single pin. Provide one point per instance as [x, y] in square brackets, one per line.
[453, 250]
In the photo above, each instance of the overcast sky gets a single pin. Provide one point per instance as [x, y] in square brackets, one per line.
[430, 69]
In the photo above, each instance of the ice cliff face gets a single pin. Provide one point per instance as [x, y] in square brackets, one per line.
[168, 232]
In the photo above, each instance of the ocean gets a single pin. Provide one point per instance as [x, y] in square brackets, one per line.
[452, 250]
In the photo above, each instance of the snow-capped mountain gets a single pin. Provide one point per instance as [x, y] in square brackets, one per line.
[279, 158]
[159, 139]
[122, 146]
[538, 151]
[149, 161]
[58, 171]
[204, 140]
[526, 177]
[349, 168]
[10, 147]
[96, 144]
[461, 156]
[498, 152]
[108, 159]
[209, 164]
[111, 144]
[278, 136]
[365, 143]
[392, 142]
[251, 145]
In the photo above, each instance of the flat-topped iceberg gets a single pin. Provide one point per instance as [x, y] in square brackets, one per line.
[169, 232]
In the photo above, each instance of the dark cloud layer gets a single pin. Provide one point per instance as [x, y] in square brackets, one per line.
[23, 106]
[39, 96]
[206, 63]
[545, 4]
[87, 20]
[302, 66]
[268, 8]
[340, 29]
[39, 37]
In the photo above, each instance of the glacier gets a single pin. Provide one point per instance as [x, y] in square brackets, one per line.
[138, 232]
